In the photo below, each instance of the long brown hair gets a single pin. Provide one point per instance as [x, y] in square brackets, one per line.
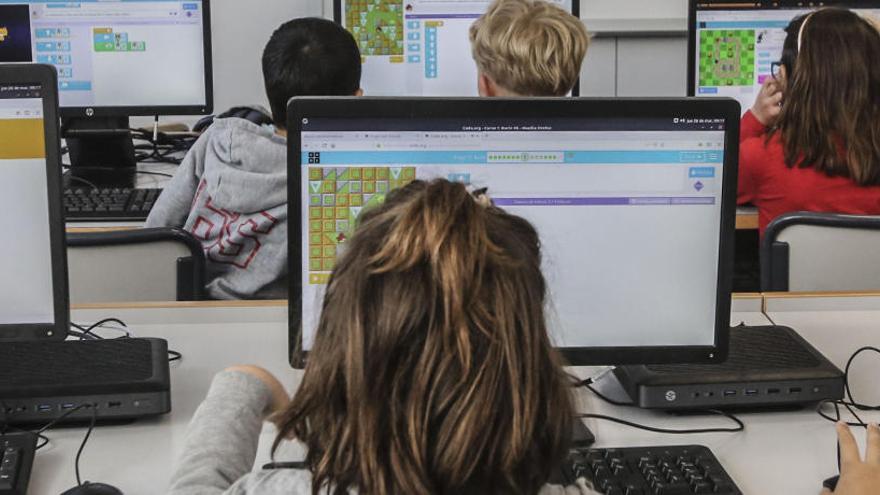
[830, 120]
[432, 370]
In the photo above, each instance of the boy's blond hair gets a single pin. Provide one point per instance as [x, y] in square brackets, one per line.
[530, 47]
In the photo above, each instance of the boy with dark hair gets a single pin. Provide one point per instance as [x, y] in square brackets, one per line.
[231, 189]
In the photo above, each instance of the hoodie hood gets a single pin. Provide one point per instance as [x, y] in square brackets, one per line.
[242, 171]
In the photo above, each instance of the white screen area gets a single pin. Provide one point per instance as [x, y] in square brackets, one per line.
[629, 220]
[117, 53]
[735, 50]
[416, 47]
[26, 294]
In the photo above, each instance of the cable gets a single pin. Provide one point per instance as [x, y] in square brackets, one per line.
[87, 333]
[161, 174]
[588, 384]
[740, 425]
[849, 402]
[83, 444]
[63, 417]
[81, 180]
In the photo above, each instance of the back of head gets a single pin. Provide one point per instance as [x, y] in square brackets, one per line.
[432, 370]
[309, 57]
[530, 47]
[830, 119]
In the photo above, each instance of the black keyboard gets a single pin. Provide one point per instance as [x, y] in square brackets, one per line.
[16, 458]
[667, 470]
[109, 204]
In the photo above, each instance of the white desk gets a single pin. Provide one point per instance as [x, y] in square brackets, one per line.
[139, 458]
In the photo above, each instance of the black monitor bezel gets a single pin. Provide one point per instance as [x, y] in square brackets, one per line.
[151, 110]
[575, 11]
[695, 5]
[46, 77]
[729, 109]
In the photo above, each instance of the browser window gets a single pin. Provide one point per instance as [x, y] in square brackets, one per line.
[112, 53]
[26, 294]
[628, 211]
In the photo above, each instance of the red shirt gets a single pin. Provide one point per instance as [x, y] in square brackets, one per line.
[766, 182]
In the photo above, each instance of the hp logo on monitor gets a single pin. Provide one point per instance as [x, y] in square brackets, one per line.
[90, 112]
[671, 396]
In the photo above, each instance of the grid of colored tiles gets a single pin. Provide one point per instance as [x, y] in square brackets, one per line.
[377, 26]
[337, 195]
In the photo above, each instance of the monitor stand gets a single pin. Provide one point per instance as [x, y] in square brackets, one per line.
[101, 152]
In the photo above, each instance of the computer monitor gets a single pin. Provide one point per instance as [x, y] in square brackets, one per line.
[634, 201]
[33, 272]
[418, 47]
[115, 59]
[732, 45]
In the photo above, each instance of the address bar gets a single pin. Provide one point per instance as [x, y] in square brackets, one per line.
[106, 10]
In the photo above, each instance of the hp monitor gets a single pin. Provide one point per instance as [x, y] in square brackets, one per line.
[634, 201]
[733, 45]
[114, 58]
[417, 47]
[33, 269]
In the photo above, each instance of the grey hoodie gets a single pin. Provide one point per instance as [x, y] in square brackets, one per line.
[231, 193]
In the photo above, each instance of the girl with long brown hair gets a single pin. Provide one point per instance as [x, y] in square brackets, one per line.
[432, 373]
[811, 142]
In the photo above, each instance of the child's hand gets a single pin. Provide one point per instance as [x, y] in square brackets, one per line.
[858, 477]
[280, 399]
[768, 104]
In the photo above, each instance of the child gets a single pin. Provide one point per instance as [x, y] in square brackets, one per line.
[231, 189]
[440, 376]
[811, 142]
[528, 48]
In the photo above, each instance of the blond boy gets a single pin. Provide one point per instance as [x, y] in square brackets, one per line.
[528, 48]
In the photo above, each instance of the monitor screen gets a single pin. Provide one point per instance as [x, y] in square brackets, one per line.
[417, 47]
[629, 210]
[733, 45]
[26, 293]
[113, 53]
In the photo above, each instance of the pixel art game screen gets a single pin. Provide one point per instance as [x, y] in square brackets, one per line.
[727, 58]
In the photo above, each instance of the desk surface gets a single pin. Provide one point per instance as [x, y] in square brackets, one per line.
[779, 452]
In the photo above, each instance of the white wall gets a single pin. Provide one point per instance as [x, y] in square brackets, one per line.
[240, 30]
[633, 9]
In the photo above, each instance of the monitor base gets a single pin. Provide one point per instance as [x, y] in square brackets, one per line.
[101, 152]
[581, 435]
